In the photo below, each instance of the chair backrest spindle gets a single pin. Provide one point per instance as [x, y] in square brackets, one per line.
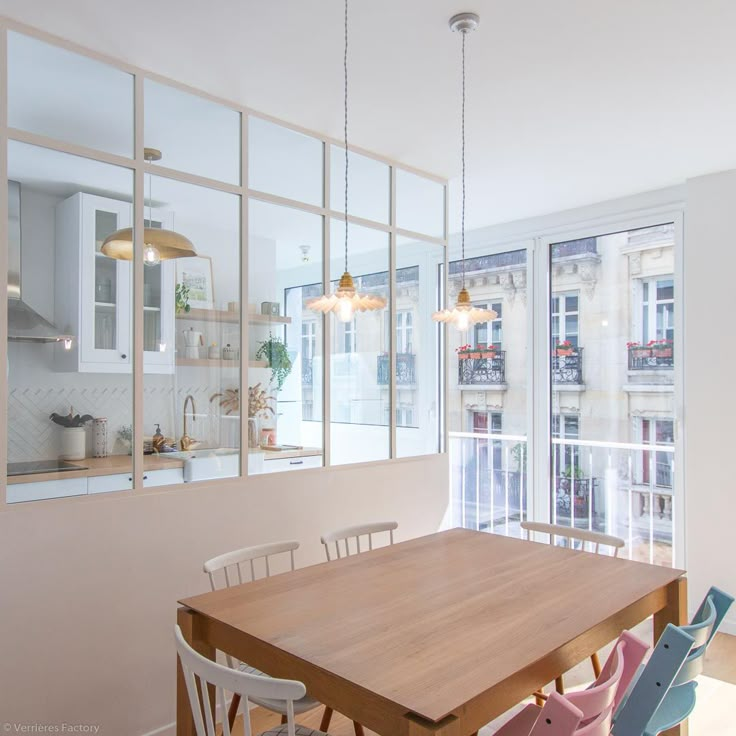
[200, 673]
[355, 532]
[596, 540]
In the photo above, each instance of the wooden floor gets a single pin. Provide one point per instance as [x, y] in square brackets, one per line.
[713, 715]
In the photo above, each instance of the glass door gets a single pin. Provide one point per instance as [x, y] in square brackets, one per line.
[105, 300]
[611, 324]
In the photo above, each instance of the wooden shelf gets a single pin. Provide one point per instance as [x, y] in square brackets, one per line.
[224, 315]
[207, 363]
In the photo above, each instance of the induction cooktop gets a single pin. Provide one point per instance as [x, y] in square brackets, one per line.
[42, 466]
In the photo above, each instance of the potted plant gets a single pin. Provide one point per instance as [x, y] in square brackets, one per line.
[564, 348]
[275, 352]
[259, 407]
[463, 352]
[661, 348]
[73, 434]
[487, 351]
[638, 350]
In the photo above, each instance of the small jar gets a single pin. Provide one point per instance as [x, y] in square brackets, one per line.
[213, 352]
[228, 353]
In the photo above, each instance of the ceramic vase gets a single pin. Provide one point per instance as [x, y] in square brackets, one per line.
[73, 443]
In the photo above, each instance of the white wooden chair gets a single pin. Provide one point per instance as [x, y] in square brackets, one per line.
[340, 538]
[594, 540]
[243, 566]
[200, 672]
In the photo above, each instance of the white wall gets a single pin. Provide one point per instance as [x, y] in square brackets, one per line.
[90, 586]
[710, 400]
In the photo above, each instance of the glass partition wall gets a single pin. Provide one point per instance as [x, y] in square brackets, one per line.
[163, 248]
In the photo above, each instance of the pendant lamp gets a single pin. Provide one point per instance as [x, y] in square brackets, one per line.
[159, 244]
[346, 300]
[463, 314]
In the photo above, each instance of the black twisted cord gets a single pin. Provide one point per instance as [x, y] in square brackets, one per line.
[462, 218]
[345, 66]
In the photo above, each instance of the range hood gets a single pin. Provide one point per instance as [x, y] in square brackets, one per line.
[24, 324]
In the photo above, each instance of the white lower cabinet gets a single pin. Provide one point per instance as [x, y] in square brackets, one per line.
[168, 477]
[109, 483]
[285, 464]
[17, 492]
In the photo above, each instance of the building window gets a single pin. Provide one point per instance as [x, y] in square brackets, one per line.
[349, 339]
[566, 456]
[657, 467]
[309, 340]
[404, 331]
[658, 309]
[495, 338]
[565, 318]
[404, 416]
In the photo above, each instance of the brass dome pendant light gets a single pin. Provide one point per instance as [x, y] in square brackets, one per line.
[346, 300]
[464, 314]
[159, 244]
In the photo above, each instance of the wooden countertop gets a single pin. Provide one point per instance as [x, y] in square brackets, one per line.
[101, 466]
[283, 454]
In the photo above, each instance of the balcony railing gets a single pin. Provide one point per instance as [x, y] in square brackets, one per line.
[483, 371]
[307, 374]
[647, 359]
[405, 373]
[597, 486]
[568, 368]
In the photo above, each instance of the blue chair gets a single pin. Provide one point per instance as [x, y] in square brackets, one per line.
[664, 693]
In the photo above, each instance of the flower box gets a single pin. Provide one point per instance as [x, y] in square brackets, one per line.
[662, 352]
[488, 354]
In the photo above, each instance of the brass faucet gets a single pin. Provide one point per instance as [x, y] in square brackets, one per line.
[186, 441]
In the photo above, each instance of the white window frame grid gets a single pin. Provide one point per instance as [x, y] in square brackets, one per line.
[140, 167]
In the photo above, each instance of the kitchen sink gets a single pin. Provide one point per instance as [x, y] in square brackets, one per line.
[208, 463]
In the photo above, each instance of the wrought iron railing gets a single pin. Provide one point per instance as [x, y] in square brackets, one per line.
[615, 487]
[568, 368]
[483, 371]
[405, 369]
[647, 359]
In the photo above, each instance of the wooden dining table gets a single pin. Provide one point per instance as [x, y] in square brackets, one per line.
[437, 635]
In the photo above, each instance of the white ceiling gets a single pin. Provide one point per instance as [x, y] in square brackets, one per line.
[571, 102]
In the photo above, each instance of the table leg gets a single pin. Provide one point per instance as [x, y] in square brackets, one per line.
[187, 620]
[675, 612]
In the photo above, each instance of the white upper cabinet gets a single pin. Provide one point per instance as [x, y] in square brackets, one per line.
[94, 292]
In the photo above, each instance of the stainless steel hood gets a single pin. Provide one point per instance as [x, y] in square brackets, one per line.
[24, 324]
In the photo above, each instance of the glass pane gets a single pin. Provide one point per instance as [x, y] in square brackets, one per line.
[193, 134]
[612, 465]
[69, 97]
[284, 162]
[420, 204]
[489, 471]
[360, 397]
[192, 330]
[369, 185]
[79, 300]
[418, 390]
[285, 375]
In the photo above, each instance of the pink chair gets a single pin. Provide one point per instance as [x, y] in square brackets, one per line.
[562, 715]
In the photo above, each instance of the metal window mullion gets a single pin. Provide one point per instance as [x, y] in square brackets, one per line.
[326, 321]
[443, 341]
[392, 319]
[539, 450]
[137, 270]
[3, 258]
[244, 324]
